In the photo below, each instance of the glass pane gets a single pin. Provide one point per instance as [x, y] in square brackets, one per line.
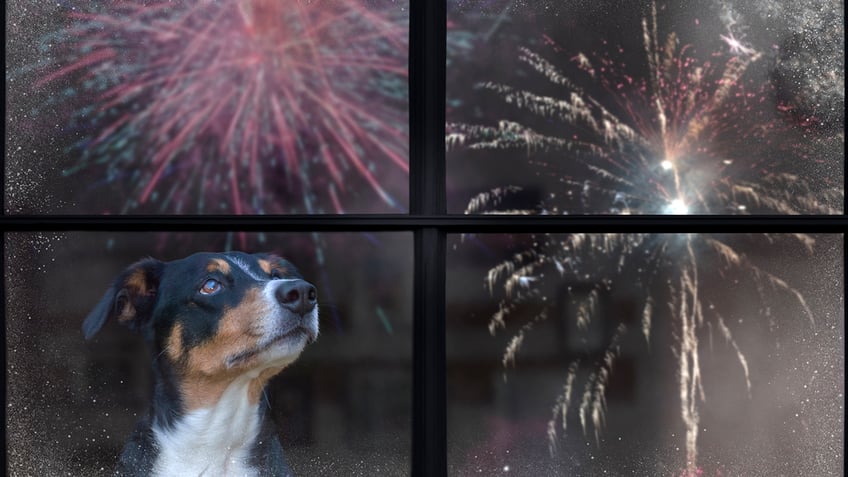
[645, 107]
[343, 408]
[674, 355]
[219, 107]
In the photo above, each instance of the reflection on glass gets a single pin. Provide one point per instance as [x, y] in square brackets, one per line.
[645, 107]
[343, 408]
[236, 107]
[593, 354]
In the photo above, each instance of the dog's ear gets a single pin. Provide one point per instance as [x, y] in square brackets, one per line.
[130, 300]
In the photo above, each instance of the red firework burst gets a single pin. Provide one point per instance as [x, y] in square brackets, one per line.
[259, 106]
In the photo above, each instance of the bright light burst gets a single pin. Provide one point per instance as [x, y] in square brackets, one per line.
[257, 106]
[693, 136]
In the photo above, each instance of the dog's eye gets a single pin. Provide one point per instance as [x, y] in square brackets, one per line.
[276, 275]
[210, 287]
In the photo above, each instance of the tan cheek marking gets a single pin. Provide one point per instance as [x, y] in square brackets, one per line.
[218, 265]
[174, 345]
[200, 392]
[204, 391]
[206, 375]
[237, 332]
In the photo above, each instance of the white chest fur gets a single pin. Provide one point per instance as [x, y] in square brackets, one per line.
[212, 442]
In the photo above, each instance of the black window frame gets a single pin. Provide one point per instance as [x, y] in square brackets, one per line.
[430, 224]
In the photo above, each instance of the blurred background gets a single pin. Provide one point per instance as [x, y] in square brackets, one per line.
[500, 410]
[784, 112]
[344, 408]
[225, 107]
[75, 144]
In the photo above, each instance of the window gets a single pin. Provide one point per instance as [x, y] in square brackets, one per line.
[636, 350]
[186, 108]
[623, 354]
[345, 406]
[476, 402]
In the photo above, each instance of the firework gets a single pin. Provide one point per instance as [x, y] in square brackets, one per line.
[260, 106]
[670, 268]
[690, 136]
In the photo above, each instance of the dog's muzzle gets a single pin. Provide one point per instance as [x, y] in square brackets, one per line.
[297, 296]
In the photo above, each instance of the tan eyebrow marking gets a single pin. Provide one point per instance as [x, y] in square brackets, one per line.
[265, 265]
[268, 266]
[218, 265]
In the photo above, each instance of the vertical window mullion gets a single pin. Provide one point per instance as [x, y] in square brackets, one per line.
[427, 58]
[428, 197]
[429, 400]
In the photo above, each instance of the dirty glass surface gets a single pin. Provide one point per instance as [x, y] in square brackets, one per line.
[343, 408]
[225, 107]
[669, 354]
[645, 107]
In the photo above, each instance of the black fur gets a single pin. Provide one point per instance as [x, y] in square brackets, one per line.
[147, 298]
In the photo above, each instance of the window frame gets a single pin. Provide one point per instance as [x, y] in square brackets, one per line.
[430, 224]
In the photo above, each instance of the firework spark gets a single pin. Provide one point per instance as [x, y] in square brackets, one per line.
[259, 106]
[691, 136]
[662, 273]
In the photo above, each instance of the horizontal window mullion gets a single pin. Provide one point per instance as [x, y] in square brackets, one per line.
[445, 223]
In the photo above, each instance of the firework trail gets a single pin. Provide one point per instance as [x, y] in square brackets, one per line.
[691, 136]
[662, 274]
[258, 106]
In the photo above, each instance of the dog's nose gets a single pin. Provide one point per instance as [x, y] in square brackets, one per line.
[298, 296]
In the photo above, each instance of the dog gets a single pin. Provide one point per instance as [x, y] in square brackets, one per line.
[219, 326]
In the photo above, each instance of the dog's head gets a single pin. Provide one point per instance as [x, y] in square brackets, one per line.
[215, 316]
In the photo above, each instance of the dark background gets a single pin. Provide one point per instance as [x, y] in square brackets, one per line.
[801, 67]
[344, 408]
[41, 133]
[791, 425]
